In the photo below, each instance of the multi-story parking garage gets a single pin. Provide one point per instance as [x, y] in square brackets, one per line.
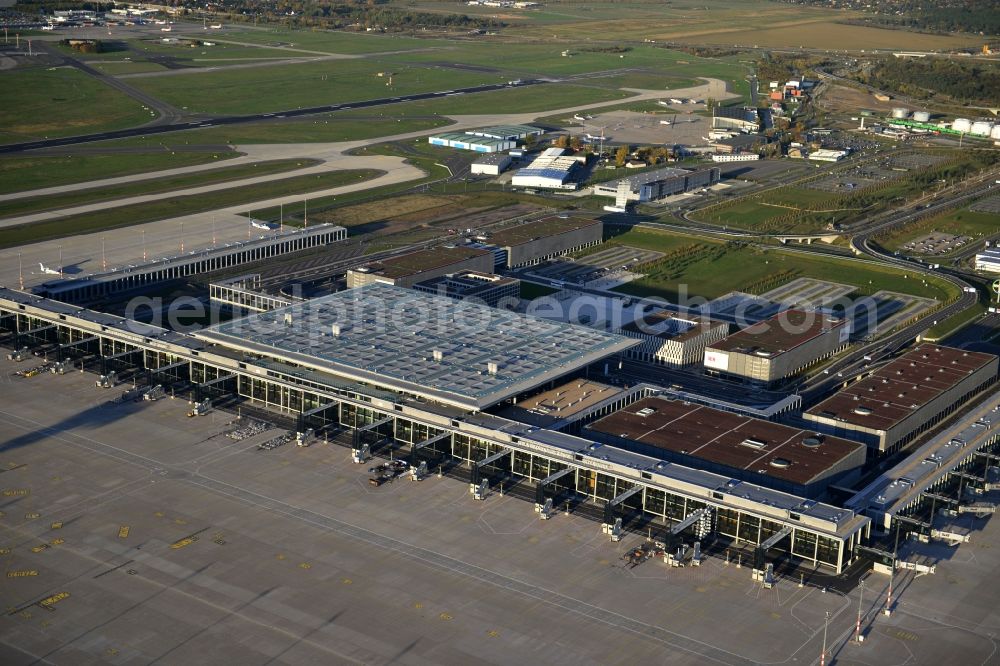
[427, 390]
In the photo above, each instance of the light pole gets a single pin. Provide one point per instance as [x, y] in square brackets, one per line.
[822, 655]
[892, 572]
[857, 629]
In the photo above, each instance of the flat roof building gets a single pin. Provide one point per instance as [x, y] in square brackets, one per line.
[122, 279]
[568, 403]
[654, 185]
[408, 269]
[492, 164]
[988, 260]
[479, 144]
[735, 117]
[550, 170]
[672, 339]
[539, 240]
[453, 352]
[890, 407]
[763, 452]
[493, 290]
[778, 347]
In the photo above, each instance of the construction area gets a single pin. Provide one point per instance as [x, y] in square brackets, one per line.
[192, 541]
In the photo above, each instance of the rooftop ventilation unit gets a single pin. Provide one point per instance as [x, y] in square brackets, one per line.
[753, 443]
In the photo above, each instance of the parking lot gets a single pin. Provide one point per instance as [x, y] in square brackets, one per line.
[132, 533]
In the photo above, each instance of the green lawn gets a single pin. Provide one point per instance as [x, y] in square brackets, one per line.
[280, 87]
[149, 186]
[47, 103]
[741, 267]
[531, 99]
[31, 171]
[332, 42]
[962, 222]
[125, 216]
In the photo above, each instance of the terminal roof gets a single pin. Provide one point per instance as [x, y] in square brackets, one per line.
[904, 386]
[423, 260]
[740, 442]
[439, 348]
[550, 226]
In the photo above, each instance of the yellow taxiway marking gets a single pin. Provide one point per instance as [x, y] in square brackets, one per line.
[23, 573]
[446, 616]
[186, 541]
[305, 565]
[16, 492]
[48, 602]
[31, 515]
[123, 531]
[56, 525]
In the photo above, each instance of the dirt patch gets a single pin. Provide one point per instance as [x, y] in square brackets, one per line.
[844, 99]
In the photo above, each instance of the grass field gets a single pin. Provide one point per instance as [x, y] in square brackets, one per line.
[48, 103]
[742, 266]
[149, 186]
[785, 209]
[825, 34]
[962, 222]
[124, 216]
[275, 88]
[723, 22]
[332, 42]
[31, 172]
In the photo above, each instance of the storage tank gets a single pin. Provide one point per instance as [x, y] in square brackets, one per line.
[995, 134]
[921, 116]
[900, 112]
[981, 128]
[962, 125]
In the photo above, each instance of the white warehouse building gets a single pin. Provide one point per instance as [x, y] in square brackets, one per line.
[988, 260]
[551, 170]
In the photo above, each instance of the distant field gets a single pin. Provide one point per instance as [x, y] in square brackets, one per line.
[124, 216]
[739, 268]
[54, 202]
[31, 172]
[828, 35]
[262, 89]
[118, 67]
[332, 42]
[538, 98]
[40, 103]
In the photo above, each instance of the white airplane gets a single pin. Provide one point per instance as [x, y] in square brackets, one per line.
[48, 271]
[260, 225]
[596, 137]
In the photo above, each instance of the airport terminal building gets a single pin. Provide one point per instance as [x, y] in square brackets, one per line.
[416, 370]
[891, 406]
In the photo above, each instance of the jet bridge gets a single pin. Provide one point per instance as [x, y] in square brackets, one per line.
[764, 546]
[548, 481]
[611, 508]
[477, 467]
